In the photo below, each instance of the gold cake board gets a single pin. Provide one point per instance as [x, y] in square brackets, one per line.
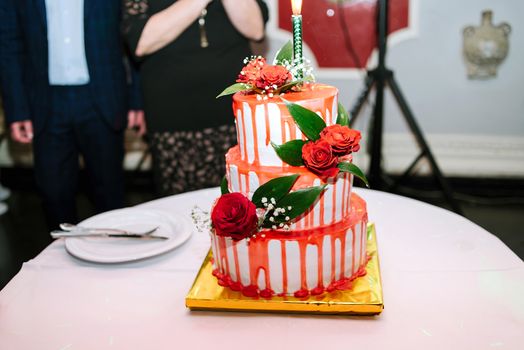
[365, 298]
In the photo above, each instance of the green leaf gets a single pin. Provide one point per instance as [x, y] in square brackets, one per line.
[308, 121]
[353, 169]
[288, 86]
[284, 54]
[290, 152]
[234, 89]
[343, 115]
[275, 188]
[224, 188]
[299, 201]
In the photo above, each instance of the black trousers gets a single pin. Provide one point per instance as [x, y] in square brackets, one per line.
[75, 128]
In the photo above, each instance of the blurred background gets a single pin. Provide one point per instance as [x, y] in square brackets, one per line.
[459, 65]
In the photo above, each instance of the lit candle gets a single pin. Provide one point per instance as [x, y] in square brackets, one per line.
[298, 56]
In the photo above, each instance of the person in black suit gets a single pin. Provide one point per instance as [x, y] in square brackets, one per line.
[64, 85]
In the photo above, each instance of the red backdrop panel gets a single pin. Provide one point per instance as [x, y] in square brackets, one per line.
[323, 28]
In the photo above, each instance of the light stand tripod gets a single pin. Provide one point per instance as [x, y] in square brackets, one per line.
[379, 78]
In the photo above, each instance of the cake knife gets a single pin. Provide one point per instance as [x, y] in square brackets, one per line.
[60, 234]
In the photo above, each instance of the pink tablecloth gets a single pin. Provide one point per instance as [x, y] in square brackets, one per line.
[448, 284]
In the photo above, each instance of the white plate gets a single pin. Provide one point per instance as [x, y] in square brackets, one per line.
[116, 250]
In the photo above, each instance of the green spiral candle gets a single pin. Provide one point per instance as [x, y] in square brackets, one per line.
[298, 56]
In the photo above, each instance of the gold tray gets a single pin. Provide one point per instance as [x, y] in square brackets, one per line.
[364, 299]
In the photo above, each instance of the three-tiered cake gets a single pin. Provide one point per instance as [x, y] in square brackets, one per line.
[322, 249]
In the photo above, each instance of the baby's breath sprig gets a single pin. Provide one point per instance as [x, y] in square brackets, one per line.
[201, 219]
[305, 67]
[275, 215]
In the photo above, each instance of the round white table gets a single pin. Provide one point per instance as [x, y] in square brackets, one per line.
[448, 284]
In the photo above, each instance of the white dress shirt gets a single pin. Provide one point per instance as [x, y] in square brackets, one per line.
[65, 37]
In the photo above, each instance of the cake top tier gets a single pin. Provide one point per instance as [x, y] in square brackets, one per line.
[263, 121]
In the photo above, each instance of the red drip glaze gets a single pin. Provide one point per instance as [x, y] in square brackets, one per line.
[284, 267]
[259, 260]
[320, 272]
[344, 194]
[343, 256]
[322, 199]
[267, 293]
[334, 204]
[353, 239]
[256, 160]
[333, 258]
[303, 273]
[292, 130]
[245, 135]
[361, 272]
[348, 197]
[342, 284]
[236, 286]
[222, 283]
[318, 290]
[363, 249]
[250, 291]
[302, 293]
[268, 128]
[283, 129]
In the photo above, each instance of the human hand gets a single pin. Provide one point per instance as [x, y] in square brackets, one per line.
[22, 131]
[136, 121]
[206, 2]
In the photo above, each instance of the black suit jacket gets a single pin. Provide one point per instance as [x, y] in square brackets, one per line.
[24, 61]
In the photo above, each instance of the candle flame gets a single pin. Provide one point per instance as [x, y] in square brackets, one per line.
[296, 5]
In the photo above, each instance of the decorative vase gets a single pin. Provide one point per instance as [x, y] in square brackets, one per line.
[485, 47]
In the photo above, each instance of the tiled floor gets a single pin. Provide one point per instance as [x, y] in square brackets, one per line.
[23, 232]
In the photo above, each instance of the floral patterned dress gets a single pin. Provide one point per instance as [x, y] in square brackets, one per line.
[189, 129]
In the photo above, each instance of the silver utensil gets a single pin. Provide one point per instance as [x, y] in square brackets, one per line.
[70, 228]
[80, 233]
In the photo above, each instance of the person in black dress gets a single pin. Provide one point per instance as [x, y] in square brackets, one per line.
[189, 51]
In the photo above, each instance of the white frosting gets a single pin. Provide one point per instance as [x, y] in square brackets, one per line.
[312, 262]
[293, 266]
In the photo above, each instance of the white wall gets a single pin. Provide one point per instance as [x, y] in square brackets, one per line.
[469, 123]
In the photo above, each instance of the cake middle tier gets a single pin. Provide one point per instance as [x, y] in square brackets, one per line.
[331, 207]
[260, 122]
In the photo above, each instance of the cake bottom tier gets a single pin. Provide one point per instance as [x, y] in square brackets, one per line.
[297, 263]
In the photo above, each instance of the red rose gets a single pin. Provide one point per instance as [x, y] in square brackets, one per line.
[251, 72]
[234, 216]
[271, 76]
[342, 139]
[319, 158]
